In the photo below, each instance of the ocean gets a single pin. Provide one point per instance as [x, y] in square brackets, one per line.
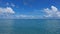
[29, 26]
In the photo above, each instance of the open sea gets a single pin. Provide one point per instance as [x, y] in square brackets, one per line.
[29, 26]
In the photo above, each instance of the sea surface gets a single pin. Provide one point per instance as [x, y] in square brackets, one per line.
[29, 26]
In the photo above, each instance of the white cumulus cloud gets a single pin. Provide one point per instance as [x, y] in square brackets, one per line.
[7, 13]
[7, 10]
[53, 12]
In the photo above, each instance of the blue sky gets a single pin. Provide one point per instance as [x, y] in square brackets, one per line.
[29, 9]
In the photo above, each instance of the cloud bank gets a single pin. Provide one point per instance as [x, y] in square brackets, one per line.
[22, 16]
[9, 13]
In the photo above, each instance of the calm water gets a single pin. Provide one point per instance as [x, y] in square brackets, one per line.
[26, 26]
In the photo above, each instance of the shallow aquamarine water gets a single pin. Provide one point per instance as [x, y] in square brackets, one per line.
[29, 26]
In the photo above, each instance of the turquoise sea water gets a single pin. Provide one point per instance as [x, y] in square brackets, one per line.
[29, 26]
